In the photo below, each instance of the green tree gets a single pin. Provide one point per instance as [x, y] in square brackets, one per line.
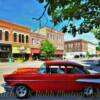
[47, 49]
[97, 32]
[98, 48]
[86, 10]
[87, 54]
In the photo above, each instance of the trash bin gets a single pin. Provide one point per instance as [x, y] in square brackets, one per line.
[10, 60]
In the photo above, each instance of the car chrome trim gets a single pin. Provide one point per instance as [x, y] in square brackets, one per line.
[38, 80]
[78, 80]
[89, 80]
[6, 86]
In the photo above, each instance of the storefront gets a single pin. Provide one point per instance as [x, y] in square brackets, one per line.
[35, 53]
[21, 52]
[5, 52]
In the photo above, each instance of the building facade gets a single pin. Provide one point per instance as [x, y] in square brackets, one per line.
[18, 41]
[14, 41]
[55, 37]
[79, 48]
[97, 52]
[36, 39]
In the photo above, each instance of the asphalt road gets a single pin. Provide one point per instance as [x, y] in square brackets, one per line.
[51, 97]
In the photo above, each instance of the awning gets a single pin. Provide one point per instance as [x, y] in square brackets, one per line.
[35, 51]
[59, 52]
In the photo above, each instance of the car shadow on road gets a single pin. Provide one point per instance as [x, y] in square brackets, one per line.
[44, 96]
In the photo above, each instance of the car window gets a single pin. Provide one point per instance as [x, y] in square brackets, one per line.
[56, 69]
[42, 69]
[74, 70]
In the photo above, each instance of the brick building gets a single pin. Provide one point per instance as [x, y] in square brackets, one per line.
[55, 37]
[14, 40]
[79, 47]
[97, 52]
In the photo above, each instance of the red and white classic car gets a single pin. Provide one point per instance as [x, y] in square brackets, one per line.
[52, 76]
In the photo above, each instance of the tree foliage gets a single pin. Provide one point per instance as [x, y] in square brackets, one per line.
[61, 10]
[47, 48]
[97, 32]
[98, 48]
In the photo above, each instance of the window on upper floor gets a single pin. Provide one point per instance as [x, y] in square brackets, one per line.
[27, 39]
[19, 38]
[15, 37]
[33, 42]
[48, 35]
[0, 34]
[22, 38]
[6, 35]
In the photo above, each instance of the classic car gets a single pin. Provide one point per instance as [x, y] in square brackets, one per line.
[54, 76]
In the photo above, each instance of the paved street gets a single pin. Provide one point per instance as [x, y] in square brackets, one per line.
[48, 96]
[10, 67]
[51, 98]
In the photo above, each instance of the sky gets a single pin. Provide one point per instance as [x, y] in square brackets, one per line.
[22, 11]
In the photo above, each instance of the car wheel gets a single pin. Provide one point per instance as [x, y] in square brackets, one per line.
[88, 91]
[22, 91]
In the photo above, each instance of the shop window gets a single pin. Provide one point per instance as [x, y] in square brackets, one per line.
[6, 35]
[0, 34]
[20, 38]
[15, 37]
[27, 39]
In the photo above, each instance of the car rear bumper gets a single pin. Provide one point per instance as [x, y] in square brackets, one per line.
[7, 88]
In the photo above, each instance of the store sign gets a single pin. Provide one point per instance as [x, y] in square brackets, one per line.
[15, 50]
[28, 50]
[20, 50]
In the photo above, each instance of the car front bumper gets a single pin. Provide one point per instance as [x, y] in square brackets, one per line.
[7, 88]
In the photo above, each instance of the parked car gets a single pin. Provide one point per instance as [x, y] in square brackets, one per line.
[52, 76]
[97, 62]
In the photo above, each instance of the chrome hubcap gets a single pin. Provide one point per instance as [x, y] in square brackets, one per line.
[88, 91]
[21, 91]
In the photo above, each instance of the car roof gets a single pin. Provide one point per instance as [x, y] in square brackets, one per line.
[62, 62]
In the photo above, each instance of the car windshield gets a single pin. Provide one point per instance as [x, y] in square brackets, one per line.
[42, 69]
